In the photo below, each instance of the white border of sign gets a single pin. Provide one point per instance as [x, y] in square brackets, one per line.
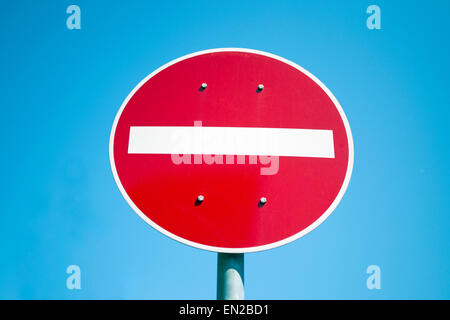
[250, 249]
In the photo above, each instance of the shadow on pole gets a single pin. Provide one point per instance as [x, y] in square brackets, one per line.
[230, 276]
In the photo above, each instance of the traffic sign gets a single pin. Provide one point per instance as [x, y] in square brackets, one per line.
[232, 150]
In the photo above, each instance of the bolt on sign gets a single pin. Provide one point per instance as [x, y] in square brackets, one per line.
[232, 150]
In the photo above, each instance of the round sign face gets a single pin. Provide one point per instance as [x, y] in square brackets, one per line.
[232, 150]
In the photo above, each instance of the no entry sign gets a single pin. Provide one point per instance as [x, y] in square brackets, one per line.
[232, 150]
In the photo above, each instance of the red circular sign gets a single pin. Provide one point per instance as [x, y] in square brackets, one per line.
[232, 150]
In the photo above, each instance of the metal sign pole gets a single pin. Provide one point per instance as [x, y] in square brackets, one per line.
[230, 276]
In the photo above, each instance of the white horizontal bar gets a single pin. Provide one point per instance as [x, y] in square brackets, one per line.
[232, 141]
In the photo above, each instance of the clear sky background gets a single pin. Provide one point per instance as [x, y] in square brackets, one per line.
[61, 90]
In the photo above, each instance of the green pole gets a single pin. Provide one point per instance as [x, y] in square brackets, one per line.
[230, 276]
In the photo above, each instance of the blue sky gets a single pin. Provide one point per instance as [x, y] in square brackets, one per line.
[62, 88]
